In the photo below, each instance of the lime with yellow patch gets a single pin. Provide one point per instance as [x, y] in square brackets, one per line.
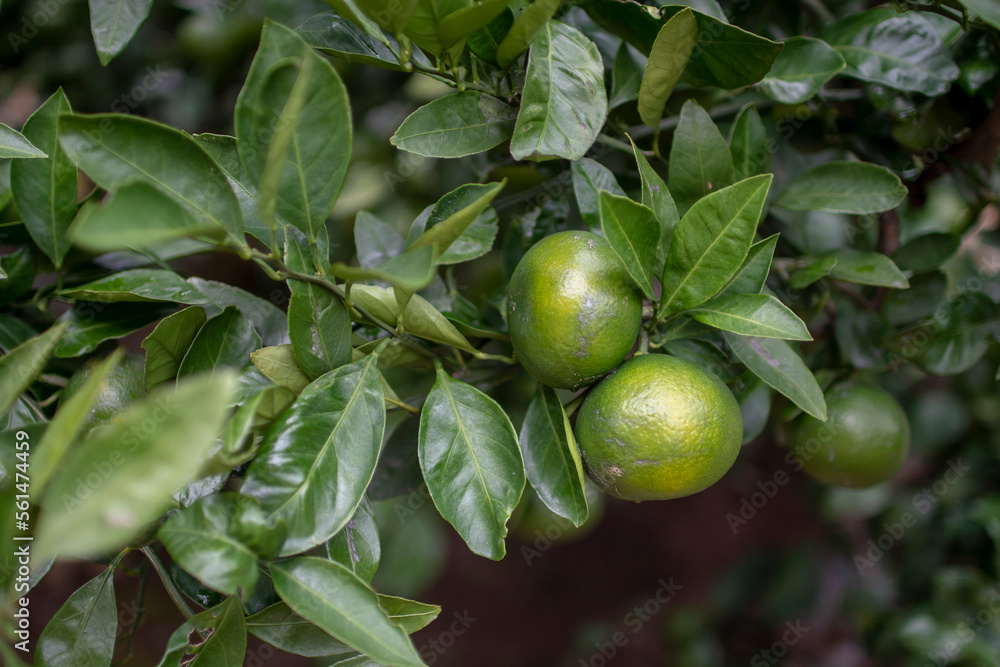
[573, 310]
[659, 428]
[863, 442]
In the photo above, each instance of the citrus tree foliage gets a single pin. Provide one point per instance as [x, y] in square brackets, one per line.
[758, 198]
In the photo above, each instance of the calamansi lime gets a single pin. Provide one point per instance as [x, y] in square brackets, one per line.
[864, 441]
[573, 310]
[659, 428]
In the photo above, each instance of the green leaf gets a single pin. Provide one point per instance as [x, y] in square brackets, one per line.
[216, 637]
[925, 294]
[19, 367]
[282, 628]
[351, 10]
[218, 539]
[956, 338]
[89, 324]
[69, 420]
[802, 68]
[225, 341]
[422, 319]
[45, 189]
[844, 186]
[551, 457]
[336, 36]
[471, 462]
[814, 269]
[422, 28]
[13, 144]
[926, 253]
[333, 598]
[409, 615]
[450, 225]
[113, 225]
[668, 58]
[461, 23]
[278, 364]
[485, 42]
[626, 76]
[633, 232]
[82, 633]
[710, 244]
[319, 132]
[750, 146]
[316, 462]
[456, 125]
[700, 161]
[88, 514]
[656, 196]
[391, 15]
[564, 103]
[356, 546]
[168, 343]
[752, 274]
[752, 315]
[114, 148]
[867, 268]
[987, 10]
[776, 363]
[589, 179]
[114, 23]
[902, 51]
[376, 240]
[860, 335]
[269, 321]
[137, 285]
[755, 408]
[525, 29]
[18, 273]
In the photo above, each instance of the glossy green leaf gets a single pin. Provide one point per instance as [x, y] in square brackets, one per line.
[656, 196]
[45, 189]
[390, 15]
[269, 320]
[357, 546]
[216, 637]
[634, 233]
[409, 615]
[282, 628]
[626, 76]
[902, 51]
[398, 472]
[710, 244]
[755, 408]
[333, 598]
[376, 241]
[860, 336]
[20, 366]
[456, 125]
[168, 343]
[758, 315]
[461, 23]
[485, 42]
[667, 60]
[66, 424]
[421, 318]
[82, 633]
[218, 540]
[776, 363]
[750, 146]
[18, 274]
[471, 462]
[410, 271]
[337, 36]
[928, 252]
[121, 477]
[844, 186]
[956, 338]
[551, 457]
[526, 27]
[113, 225]
[423, 26]
[13, 144]
[867, 268]
[802, 68]
[451, 225]
[987, 10]
[89, 324]
[925, 294]
[225, 341]
[113, 148]
[589, 179]
[700, 161]
[114, 23]
[752, 274]
[138, 285]
[316, 462]
[279, 365]
[352, 10]
[814, 269]
[564, 103]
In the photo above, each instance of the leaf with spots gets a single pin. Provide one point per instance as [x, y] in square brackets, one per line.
[776, 363]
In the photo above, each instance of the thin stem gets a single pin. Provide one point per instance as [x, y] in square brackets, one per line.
[611, 142]
[450, 80]
[140, 611]
[931, 9]
[571, 407]
[720, 111]
[403, 404]
[168, 584]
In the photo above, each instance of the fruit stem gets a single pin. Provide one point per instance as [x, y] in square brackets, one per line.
[175, 595]
[572, 406]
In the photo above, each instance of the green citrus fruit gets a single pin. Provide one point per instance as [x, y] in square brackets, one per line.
[863, 442]
[659, 428]
[573, 310]
[123, 385]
